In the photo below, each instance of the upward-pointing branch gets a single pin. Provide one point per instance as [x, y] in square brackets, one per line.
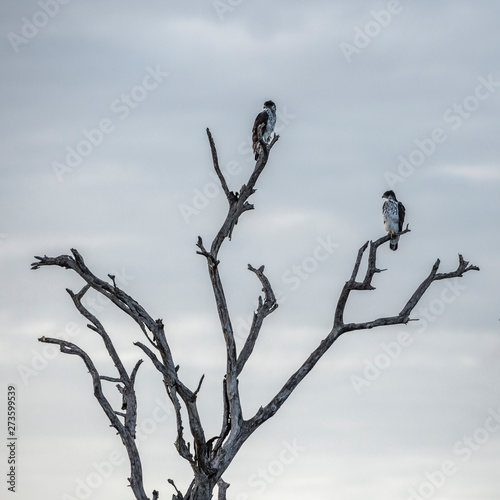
[229, 195]
[264, 308]
[238, 204]
[366, 284]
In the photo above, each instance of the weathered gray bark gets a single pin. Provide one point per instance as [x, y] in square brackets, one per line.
[210, 458]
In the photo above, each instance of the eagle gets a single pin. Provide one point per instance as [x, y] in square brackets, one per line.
[268, 118]
[394, 216]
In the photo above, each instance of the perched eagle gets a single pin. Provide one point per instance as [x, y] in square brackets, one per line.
[268, 118]
[394, 216]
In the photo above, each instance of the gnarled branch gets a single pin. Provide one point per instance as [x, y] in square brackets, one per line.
[366, 284]
[238, 204]
[154, 332]
[127, 430]
[339, 328]
[264, 308]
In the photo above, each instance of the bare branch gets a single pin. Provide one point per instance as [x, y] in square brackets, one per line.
[232, 416]
[97, 327]
[178, 495]
[202, 251]
[226, 420]
[199, 385]
[112, 292]
[270, 303]
[129, 401]
[134, 371]
[237, 205]
[404, 316]
[110, 379]
[463, 267]
[223, 486]
[366, 284]
[358, 262]
[229, 195]
[158, 340]
[126, 432]
[340, 328]
[170, 381]
[265, 308]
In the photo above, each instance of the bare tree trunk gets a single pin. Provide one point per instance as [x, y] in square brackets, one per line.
[209, 459]
[202, 489]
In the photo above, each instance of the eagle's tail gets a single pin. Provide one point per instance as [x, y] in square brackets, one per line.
[393, 244]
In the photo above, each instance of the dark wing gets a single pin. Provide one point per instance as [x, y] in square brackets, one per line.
[262, 117]
[401, 212]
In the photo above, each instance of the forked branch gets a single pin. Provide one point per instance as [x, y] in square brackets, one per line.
[238, 204]
[371, 270]
[162, 360]
[340, 328]
[125, 430]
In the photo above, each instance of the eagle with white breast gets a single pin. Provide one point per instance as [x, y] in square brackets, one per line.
[394, 216]
[268, 118]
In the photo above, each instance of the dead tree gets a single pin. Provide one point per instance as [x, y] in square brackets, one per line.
[210, 458]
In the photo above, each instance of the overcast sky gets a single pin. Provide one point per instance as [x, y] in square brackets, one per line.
[104, 111]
